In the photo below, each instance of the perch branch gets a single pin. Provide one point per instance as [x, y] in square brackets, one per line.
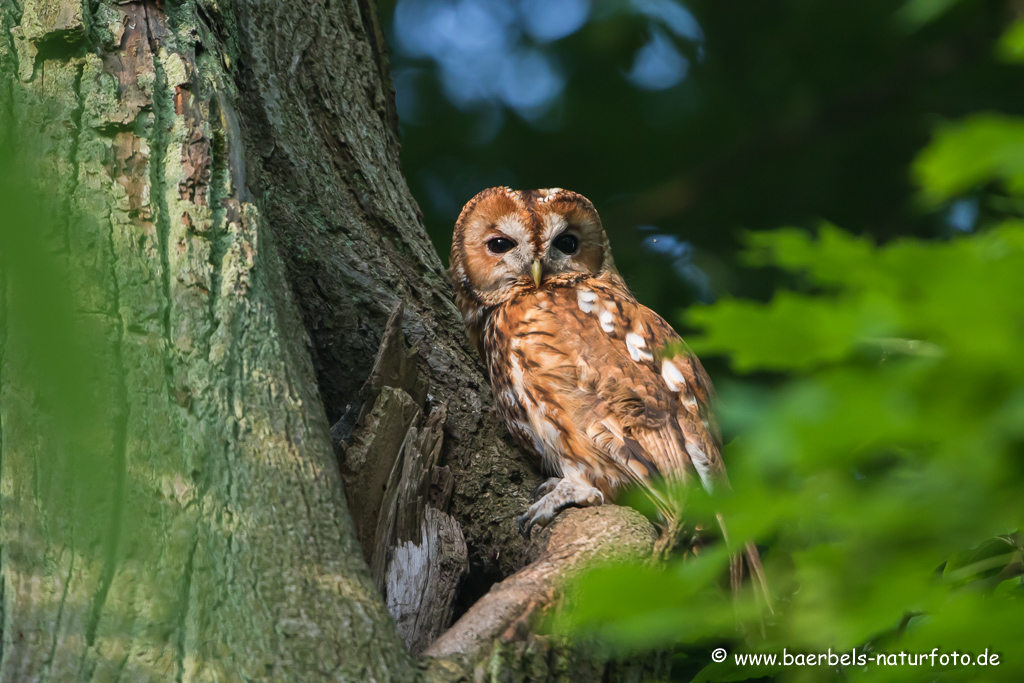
[577, 539]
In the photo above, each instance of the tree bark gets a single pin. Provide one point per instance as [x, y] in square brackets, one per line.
[221, 548]
[236, 231]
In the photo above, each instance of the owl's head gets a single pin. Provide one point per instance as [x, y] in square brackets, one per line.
[508, 240]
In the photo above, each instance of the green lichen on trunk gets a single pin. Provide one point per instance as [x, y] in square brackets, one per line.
[53, 20]
[193, 525]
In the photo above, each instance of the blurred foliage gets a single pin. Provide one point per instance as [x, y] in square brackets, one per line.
[872, 375]
[688, 123]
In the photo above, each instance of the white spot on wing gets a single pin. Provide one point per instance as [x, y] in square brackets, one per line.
[702, 464]
[635, 344]
[673, 378]
[607, 321]
[587, 300]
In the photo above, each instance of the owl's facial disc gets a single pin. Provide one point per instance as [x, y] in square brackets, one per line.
[506, 239]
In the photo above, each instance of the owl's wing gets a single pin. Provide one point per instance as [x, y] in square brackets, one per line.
[603, 387]
[647, 401]
[642, 395]
[595, 382]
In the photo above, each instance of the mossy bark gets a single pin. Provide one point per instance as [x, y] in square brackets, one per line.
[202, 534]
[232, 224]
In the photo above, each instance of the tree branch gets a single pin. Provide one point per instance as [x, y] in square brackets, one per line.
[576, 540]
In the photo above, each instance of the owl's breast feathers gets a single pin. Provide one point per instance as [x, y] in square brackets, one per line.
[588, 378]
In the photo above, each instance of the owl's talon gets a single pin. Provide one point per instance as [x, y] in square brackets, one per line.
[525, 524]
[545, 488]
[561, 494]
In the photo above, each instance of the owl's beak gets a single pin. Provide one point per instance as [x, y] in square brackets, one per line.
[537, 271]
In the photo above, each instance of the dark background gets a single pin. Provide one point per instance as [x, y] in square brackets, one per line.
[687, 124]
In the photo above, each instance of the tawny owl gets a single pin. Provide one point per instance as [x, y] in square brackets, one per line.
[595, 385]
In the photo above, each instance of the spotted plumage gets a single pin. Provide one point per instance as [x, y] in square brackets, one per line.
[597, 387]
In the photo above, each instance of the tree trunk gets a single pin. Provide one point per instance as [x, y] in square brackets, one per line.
[234, 225]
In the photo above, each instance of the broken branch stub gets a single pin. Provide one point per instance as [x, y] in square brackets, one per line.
[398, 493]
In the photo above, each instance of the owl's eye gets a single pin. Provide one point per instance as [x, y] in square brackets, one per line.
[499, 245]
[566, 243]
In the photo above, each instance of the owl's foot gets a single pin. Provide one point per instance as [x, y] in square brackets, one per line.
[558, 494]
[545, 488]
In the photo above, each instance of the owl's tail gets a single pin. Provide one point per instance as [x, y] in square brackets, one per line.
[747, 560]
[752, 559]
[674, 529]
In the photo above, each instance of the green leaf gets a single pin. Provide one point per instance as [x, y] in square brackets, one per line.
[792, 332]
[977, 150]
[982, 561]
[1011, 45]
[916, 13]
